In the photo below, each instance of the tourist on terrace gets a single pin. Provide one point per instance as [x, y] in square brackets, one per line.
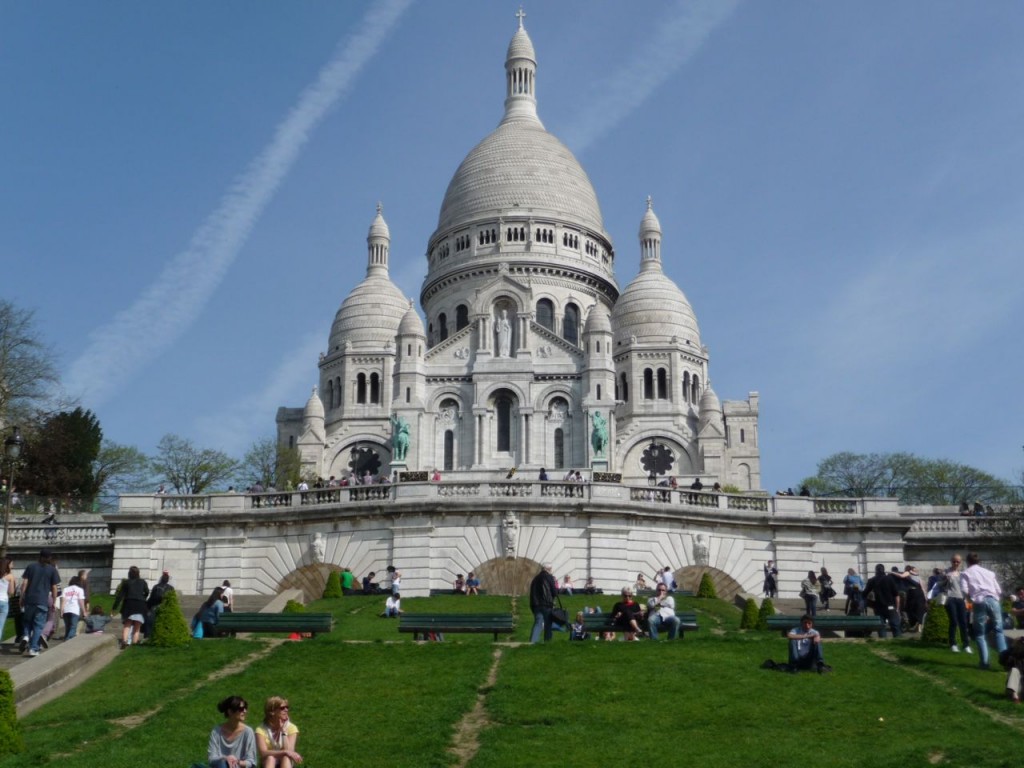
[543, 476]
[210, 611]
[233, 743]
[131, 599]
[825, 588]
[276, 736]
[697, 485]
[982, 588]
[809, 592]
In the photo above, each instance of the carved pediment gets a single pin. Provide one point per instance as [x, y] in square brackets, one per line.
[457, 349]
[554, 346]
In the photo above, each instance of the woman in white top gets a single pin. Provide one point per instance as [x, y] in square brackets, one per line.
[6, 591]
[75, 606]
[228, 596]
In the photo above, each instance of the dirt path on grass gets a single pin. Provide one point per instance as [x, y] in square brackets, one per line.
[466, 741]
[949, 688]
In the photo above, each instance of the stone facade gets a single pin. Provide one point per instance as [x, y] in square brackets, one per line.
[530, 356]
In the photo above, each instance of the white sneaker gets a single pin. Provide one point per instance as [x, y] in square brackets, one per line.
[954, 649]
[968, 649]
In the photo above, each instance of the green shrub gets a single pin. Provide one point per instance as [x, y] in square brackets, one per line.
[936, 625]
[294, 606]
[333, 586]
[170, 629]
[749, 618]
[707, 587]
[10, 732]
[767, 609]
[730, 488]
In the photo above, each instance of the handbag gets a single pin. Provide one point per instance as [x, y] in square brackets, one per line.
[559, 615]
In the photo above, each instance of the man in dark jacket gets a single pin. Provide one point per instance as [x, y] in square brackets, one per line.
[882, 588]
[38, 592]
[542, 600]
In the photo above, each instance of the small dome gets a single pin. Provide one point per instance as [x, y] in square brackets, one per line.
[370, 315]
[653, 309]
[411, 324]
[709, 401]
[314, 407]
[379, 227]
[598, 320]
[521, 47]
[649, 224]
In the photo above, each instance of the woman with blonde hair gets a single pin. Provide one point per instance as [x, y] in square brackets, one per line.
[276, 736]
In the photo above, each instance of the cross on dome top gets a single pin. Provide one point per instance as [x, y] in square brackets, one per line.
[520, 14]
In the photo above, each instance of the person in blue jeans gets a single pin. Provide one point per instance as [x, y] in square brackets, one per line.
[981, 586]
[805, 646]
[542, 601]
[38, 588]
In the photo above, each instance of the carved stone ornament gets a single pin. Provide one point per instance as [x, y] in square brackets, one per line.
[510, 533]
[700, 550]
[317, 548]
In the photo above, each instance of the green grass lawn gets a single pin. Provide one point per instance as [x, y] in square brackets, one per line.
[364, 695]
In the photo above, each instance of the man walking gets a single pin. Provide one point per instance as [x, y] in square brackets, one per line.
[956, 608]
[38, 588]
[542, 601]
[982, 588]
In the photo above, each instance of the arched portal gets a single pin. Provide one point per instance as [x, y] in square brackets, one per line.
[726, 587]
[507, 576]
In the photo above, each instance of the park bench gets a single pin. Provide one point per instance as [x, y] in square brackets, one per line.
[303, 623]
[438, 623]
[436, 592]
[645, 593]
[596, 623]
[853, 626]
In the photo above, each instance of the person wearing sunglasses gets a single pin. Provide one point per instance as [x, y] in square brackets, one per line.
[276, 736]
[232, 743]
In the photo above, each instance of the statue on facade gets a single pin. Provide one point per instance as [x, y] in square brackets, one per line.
[700, 551]
[504, 330]
[599, 434]
[317, 549]
[399, 437]
[510, 533]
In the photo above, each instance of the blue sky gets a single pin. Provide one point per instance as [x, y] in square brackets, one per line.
[186, 191]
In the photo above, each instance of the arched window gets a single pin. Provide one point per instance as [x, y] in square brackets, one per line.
[662, 384]
[648, 384]
[546, 314]
[503, 410]
[449, 450]
[686, 387]
[361, 388]
[408, 395]
[598, 391]
[374, 388]
[461, 317]
[442, 320]
[695, 389]
[624, 387]
[559, 449]
[571, 324]
[330, 393]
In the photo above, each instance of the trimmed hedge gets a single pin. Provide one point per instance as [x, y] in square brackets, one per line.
[707, 587]
[936, 625]
[11, 741]
[170, 629]
[749, 618]
[767, 609]
[333, 586]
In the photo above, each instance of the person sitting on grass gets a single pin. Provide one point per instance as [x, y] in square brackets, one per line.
[1012, 660]
[459, 585]
[805, 647]
[276, 736]
[232, 744]
[626, 615]
[472, 584]
[96, 620]
[392, 606]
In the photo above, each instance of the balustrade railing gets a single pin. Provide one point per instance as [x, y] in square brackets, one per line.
[748, 503]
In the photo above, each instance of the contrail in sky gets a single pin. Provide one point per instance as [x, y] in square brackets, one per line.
[174, 301]
[676, 40]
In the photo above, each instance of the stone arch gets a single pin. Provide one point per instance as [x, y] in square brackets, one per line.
[689, 576]
[310, 579]
[339, 462]
[506, 575]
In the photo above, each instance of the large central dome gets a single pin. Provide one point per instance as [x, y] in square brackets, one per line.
[520, 168]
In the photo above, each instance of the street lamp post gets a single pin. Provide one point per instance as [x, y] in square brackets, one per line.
[12, 453]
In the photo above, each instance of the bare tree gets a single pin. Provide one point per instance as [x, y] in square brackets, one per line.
[269, 463]
[189, 469]
[27, 371]
[121, 469]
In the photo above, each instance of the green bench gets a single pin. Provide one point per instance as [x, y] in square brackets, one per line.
[853, 626]
[436, 592]
[438, 623]
[602, 622]
[645, 593]
[303, 623]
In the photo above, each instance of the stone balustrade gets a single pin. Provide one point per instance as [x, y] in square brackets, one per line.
[59, 534]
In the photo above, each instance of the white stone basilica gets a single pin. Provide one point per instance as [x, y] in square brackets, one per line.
[531, 357]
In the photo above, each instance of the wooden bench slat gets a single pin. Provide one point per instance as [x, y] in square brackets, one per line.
[482, 623]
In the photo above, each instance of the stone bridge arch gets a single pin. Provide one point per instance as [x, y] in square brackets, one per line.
[726, 587]
[507, 576]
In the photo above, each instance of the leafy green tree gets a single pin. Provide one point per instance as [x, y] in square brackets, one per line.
[271, 464]
[59, 458]
[121, 469]
[28, 374]
[11, 741]
[909, 478]
[191, 470]
[333, 586]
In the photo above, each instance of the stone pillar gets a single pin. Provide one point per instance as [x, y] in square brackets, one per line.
[411, 554]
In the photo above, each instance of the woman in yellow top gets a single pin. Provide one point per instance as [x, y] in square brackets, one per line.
[276, 736]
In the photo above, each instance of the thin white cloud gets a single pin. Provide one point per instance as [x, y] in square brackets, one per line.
[166, 309]
[234, 428]
[675, 41]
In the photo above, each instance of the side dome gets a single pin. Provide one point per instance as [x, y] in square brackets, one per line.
[520, 168]
[711, 410]
[314, 407]
[370, 314]
[411, 324]
[598, 320]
